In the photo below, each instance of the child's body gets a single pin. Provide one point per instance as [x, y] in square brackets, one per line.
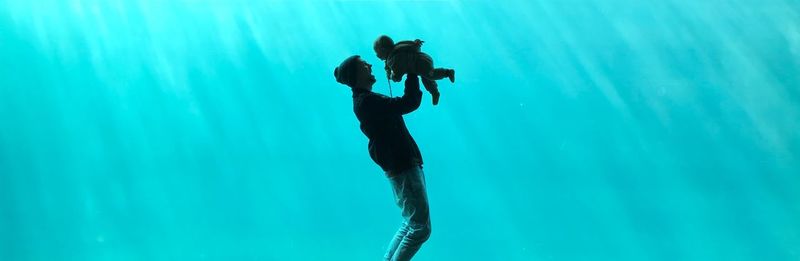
[406, 57]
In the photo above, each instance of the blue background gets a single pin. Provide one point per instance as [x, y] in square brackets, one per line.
[576, 130]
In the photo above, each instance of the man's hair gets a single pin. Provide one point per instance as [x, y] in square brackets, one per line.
[345, 73]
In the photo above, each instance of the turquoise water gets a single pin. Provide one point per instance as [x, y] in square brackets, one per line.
[576, 130]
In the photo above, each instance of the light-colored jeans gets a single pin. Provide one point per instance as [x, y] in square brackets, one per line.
[411, 196]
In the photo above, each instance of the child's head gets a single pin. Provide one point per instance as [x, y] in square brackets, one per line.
[383, 46]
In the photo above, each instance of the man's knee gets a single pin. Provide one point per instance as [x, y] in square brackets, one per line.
[421, 233]
[426, 232]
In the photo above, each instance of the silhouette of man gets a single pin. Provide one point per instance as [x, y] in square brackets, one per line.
[393, 149]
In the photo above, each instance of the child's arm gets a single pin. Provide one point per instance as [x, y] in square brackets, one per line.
[391, 74]
[397, 77]
[395, 72]
[387, 69]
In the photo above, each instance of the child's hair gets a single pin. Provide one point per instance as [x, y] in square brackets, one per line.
[383, 46]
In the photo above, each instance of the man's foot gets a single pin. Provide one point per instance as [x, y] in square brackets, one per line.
[451, 74]
[435, 98]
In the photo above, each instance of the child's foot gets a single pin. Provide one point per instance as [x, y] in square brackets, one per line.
[435, 98]
[451, 74]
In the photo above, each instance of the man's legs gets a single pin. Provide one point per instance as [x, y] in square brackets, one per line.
[411, 196]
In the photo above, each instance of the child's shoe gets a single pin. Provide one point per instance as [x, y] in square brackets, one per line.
[451, 74]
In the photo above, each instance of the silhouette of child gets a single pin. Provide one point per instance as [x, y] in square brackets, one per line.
[406, 57]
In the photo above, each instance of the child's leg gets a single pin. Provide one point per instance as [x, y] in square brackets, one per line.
[424, 68]
[433, 88]
[441, 73]
[438, 73]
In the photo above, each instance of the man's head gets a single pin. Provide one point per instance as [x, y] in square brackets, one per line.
[355, 72]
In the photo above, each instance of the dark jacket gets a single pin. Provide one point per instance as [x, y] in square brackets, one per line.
[407, 58]
[390, 144]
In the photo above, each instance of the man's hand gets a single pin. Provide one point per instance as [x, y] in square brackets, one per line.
[412, 81]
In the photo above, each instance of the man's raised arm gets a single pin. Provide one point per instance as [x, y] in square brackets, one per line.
[410, 101]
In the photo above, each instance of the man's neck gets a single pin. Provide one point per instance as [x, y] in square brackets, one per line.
[361, 89]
